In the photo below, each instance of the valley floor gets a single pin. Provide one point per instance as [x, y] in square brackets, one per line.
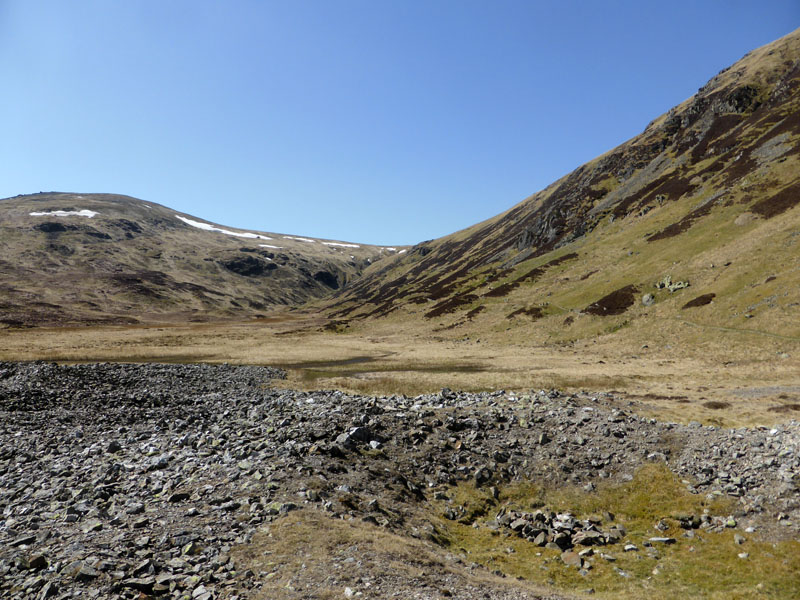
[447, 464]
[730, 378]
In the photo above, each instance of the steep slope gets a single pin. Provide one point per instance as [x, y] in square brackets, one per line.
[707, 195]
[78, 258]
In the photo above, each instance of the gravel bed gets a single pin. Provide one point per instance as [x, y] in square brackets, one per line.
[132, 481]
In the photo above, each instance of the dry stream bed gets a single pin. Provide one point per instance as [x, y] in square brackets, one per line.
[203, 481]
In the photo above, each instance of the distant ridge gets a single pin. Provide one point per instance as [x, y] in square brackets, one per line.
[103, 258]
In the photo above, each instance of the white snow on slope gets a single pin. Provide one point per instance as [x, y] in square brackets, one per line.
[65, 213]
[341, 245]
[268, 246]
[299, 239]
[207, 227]
[389, 248]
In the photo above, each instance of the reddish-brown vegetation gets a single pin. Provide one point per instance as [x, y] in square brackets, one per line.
[699, 301]
[682, 225]
[717, 404]
[534, 311]
[615, 303]
[779, 203]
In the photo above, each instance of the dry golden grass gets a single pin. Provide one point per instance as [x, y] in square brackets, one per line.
[310, 555]
[671, 382]
[706, 565]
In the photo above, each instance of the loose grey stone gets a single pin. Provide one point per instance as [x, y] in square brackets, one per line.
[662, 540]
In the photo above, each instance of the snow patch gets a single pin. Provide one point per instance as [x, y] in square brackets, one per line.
[268, 246]
[207, 227]
[341, 245]
[299, 239]
[389, 248]
[402, 251]
[65, 213]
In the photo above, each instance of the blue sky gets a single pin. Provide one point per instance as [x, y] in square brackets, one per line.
[376, 121]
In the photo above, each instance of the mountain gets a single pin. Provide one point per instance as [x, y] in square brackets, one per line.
[102, 258]
[694, 221]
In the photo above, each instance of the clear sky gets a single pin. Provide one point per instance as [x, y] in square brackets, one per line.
[375, 121]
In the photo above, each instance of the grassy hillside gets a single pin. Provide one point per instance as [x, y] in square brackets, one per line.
[707, 195]
[103, 258]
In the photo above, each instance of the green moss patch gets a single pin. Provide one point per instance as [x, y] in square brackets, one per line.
[701, 563]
